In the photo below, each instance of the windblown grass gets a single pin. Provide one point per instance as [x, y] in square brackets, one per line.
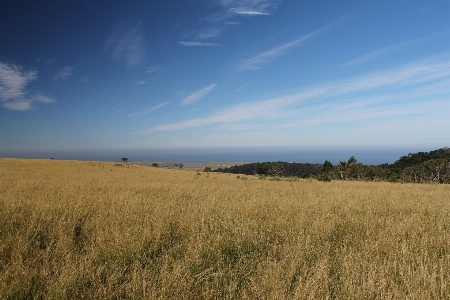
[85, 230]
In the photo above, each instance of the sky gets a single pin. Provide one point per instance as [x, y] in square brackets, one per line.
[93, 75]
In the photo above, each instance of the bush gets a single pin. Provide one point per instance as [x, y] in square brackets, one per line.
[323, 177]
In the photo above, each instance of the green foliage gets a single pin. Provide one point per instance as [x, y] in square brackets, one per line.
[351, 160]
[277, 169]
[155, 165]
[327, 166]
[413, 159]
[323, 177]
[423, 167]
[301, 170]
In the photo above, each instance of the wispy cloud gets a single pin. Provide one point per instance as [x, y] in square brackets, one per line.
[194, 97]
[251, 13]
[209, 33]
[143, 112]
[427, 82]
[260, 59]
[228, 9]
[126, 43]
[14, 94]
[153, 69]
[196, 44]
[387, 50]
[250, 7]
[154, 72]
[64, 73]
[14, 81]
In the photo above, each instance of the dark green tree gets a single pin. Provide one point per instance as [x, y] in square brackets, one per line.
[261, 169]
[351, 160]
[277, 169]
[342, 169]
[327, 166]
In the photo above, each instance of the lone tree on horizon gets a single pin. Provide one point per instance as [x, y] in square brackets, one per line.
[124, 159]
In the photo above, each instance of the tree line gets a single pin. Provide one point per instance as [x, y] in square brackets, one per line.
[275, 169]
[425, 167]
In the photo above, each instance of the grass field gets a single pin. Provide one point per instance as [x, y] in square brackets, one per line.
[91, 230]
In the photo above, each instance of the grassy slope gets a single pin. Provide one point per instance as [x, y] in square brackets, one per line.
[95, 230]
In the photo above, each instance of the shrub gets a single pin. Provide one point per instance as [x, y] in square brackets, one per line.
[323, 177]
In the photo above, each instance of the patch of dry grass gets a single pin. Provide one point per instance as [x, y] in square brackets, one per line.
[71, 230]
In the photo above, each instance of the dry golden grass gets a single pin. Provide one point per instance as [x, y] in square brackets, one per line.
[85, 230]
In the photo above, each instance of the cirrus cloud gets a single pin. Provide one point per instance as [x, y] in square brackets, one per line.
[250, 7]
[193, 44]
[251, 13]
[194, 97]
[260, 59]
[420, 88]
[64, 73]
[126, 44]
[14, 94]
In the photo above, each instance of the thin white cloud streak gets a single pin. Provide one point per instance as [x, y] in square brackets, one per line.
[431, 91]
[235, 8]
[335, 113]
[143, 112]
[195, 44]
[64, 73]
[196, 96]
[254, 7]
[13, 88]
[377, 53]
[154, 72]
[127, 44]
[431, 75]
[231, 9]
[257, 61]
[209, 33]
[384, 51]
[153, 69]
[410, 74]
[251, 13]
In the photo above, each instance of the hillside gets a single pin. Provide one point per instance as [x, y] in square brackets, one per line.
[425, 167]
[415, 159]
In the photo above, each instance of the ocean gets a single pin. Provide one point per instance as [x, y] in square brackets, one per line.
[317, 154]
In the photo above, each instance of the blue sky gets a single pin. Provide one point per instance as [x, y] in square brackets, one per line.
[80, 75]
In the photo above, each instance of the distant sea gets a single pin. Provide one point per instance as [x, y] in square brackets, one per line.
[316, 154]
